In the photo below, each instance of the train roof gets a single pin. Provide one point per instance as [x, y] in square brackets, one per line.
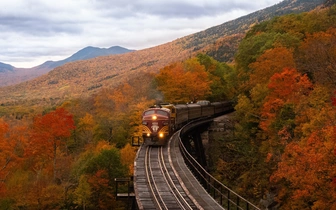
[203, 102]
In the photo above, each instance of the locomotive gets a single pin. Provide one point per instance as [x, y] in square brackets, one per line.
[160, 121]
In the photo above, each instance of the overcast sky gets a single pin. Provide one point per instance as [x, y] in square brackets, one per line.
[34, 31]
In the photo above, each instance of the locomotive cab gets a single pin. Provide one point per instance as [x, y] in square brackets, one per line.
[156, 124]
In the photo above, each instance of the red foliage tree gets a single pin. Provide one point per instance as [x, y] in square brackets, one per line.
[334, 99]
[101, 192]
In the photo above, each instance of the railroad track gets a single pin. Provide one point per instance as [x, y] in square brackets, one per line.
[157, 184]
[163, 181]
[165, 189]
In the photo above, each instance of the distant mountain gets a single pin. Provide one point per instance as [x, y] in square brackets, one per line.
[87, 77]
[84, 54]
[9, 75]
[4, 68]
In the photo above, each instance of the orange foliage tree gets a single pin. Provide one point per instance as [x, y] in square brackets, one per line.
[184, 82]
[5, 155]
[113, 107]
[47, 136]
[12, 146]
[307, 171]
[287, 87]
[118, 111]
[270, 62]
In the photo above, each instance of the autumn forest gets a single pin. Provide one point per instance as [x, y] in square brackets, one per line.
[282, 148]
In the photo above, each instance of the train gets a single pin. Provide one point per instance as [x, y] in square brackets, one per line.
[160, 121]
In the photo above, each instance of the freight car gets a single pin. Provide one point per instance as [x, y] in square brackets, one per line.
[159, 122]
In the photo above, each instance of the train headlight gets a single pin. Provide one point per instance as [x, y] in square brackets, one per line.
[161, 135]
[154, 117]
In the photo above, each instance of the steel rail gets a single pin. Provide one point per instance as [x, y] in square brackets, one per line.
[151, 182]
[172, 186]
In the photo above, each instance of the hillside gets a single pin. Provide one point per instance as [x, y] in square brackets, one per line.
[284, 89]
[84, 78]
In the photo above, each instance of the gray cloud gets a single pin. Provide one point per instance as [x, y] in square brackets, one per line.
[177, 9]
[37, 26]
[33, 31]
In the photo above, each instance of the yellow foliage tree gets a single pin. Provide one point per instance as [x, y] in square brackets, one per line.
[83, 192]
[86, 127]
[128, 154]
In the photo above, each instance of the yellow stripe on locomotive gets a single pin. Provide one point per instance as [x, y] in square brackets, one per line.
[146, 130]
[164, 131]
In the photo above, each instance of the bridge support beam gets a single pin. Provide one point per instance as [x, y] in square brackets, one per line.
[194, 145]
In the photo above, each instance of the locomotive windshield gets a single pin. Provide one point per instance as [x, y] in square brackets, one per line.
[162, 113]
[159, 112]
[150, 112]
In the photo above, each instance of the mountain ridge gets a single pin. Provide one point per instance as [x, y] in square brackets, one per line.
[86, 53]
[11, 75]
[4, 67]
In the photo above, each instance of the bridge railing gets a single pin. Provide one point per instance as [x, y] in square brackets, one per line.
[221, 193]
